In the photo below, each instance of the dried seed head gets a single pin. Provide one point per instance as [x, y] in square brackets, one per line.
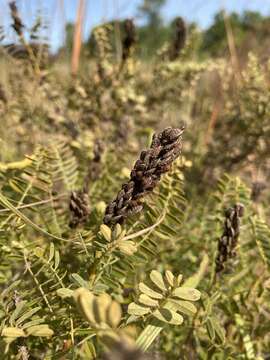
[228, 241]
[79, 208]
[145, 175]
[129, 40]
[179, 38]
[17, 22]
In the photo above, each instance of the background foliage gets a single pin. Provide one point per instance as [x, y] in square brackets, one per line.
[75, 288]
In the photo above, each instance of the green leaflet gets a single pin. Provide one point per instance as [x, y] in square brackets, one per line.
[106, 232]
[210, 329]
[114, 314]
[195, 279]
[27, 315]
[186, 293]
[134, 309]
[185, 307]
[149, 334]
[16, 313]
[162, 307]
[168, 316]
[127, 247]
[148, 291]
[13, 332]
[146, 300]
[247, 340]
[219, 331]
[64, 292]
[39, 330]
[100, 311]
[170, 278]
[262, 236]
[79, 280]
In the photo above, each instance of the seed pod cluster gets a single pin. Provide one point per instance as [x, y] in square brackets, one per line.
[228, 241]
[17, 22]
[129, 39]
[79, 208]
[165, 148]
[179, 38]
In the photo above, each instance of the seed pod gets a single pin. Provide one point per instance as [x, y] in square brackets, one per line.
[179, 38]
[228, 241]
[17, 22]
[79, 208]
[145, 175]
[129, 40]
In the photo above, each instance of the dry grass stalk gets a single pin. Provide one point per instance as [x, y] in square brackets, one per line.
[77, 39]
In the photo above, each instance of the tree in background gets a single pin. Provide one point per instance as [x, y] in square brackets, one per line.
[215, 37]
[150, 10]
[69, 37]
[153, 34]
[250, 30]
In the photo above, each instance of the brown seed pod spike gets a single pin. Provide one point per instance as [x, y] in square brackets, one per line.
[129, 40]
[228, 241]
[179, 38]
[17, 22]
[145, 175]
[79, 208]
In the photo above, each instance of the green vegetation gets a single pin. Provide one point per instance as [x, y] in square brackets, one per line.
[134, 217]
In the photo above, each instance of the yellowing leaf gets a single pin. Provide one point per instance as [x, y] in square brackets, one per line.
[157, 279]
[100, 207]
[183, 306]
[100, 307]
[179, 279]
[127, 247]
[106, 232]
[117, 231]
[13, 332]
[169, 277]
[114, 314]
[40, 330]
[168, 316]
[84, 300]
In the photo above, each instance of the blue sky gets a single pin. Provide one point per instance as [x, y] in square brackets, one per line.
[58, 12]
